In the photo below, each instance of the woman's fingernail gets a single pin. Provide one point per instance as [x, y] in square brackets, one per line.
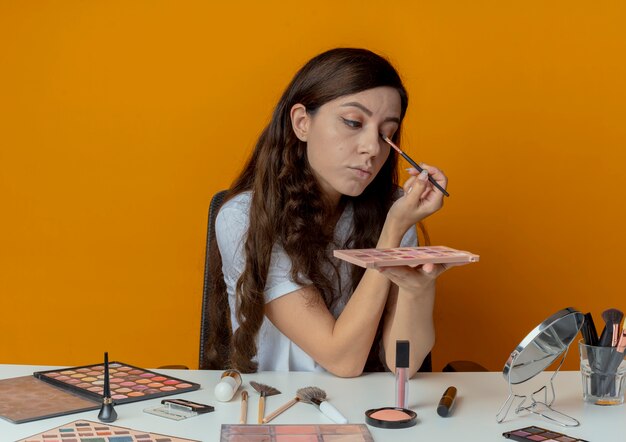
[423, 176]
[409, 191]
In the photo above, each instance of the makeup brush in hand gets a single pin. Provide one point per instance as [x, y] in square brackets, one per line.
[317, 397]
[610, 335]
[263, 390]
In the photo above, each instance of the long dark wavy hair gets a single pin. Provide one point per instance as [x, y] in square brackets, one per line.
[287, 206]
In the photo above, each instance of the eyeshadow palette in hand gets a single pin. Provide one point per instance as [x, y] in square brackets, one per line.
[128, 383]
[405, 256]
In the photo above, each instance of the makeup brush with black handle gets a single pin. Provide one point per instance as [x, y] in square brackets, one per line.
[609, 338]
[612, 318]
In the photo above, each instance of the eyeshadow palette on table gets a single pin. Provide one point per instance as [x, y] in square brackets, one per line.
[128, 383]
[87, 431]
[65, 391]
[301, 433]
[537, 434]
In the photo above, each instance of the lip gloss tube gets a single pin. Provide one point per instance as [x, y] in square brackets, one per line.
[402, 379]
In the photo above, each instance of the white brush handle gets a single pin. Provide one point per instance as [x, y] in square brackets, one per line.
[332, 413]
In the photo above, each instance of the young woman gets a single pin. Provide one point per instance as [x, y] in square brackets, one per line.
[321, 178]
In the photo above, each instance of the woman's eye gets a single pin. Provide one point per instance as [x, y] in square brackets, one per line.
[352, 123]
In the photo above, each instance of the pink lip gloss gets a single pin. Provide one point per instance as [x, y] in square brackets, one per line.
[402, 367]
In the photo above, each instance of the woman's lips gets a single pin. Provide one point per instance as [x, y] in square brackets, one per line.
[363, 173]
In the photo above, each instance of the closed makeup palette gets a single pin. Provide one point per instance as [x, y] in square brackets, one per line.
[401, 256]
[128, 383]
[296, 433]
[537, 434]
[87, 431]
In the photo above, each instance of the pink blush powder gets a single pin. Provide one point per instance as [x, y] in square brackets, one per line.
[390, 415]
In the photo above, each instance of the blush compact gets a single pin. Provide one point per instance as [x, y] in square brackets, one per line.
[399, 416]
[391, 417]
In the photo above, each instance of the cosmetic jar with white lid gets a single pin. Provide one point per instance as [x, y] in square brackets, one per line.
[228, 385]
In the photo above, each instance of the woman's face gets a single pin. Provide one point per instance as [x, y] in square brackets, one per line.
[344, 147]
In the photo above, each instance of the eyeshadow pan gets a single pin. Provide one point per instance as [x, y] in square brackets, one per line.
[296, 438]
[295, 429]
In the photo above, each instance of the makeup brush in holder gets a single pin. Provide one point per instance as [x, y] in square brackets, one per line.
[609, 338]
[264, 391]
[107, 412]
[317, 397]
[610, 335]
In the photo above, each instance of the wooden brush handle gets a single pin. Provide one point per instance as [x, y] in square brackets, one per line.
[261, 409]
[244, 408]
[280, 410]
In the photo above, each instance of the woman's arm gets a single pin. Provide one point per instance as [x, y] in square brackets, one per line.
[341, 346]
[409, 316]
[409, 310]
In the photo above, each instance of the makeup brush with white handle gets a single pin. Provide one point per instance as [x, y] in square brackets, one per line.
[317, 397]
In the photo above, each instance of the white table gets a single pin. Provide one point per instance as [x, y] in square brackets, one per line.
[473, 417]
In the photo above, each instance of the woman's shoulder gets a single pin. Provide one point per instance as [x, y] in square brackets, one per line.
[239, 202]
[235, 209]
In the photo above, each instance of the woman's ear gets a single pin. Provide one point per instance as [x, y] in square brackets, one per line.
[300, 121]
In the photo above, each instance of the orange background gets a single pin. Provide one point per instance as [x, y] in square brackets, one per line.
[119, 120]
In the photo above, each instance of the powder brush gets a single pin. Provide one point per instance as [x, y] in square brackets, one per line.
[317, 397]
[263, 390]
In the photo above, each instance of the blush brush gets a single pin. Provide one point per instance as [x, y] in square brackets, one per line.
[317, 397]
[413, 163]
[264, 391]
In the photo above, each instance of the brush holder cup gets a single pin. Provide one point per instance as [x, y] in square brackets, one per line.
[602, 370]
[546, 344]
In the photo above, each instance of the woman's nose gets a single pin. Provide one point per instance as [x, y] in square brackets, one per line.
[371, 143]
